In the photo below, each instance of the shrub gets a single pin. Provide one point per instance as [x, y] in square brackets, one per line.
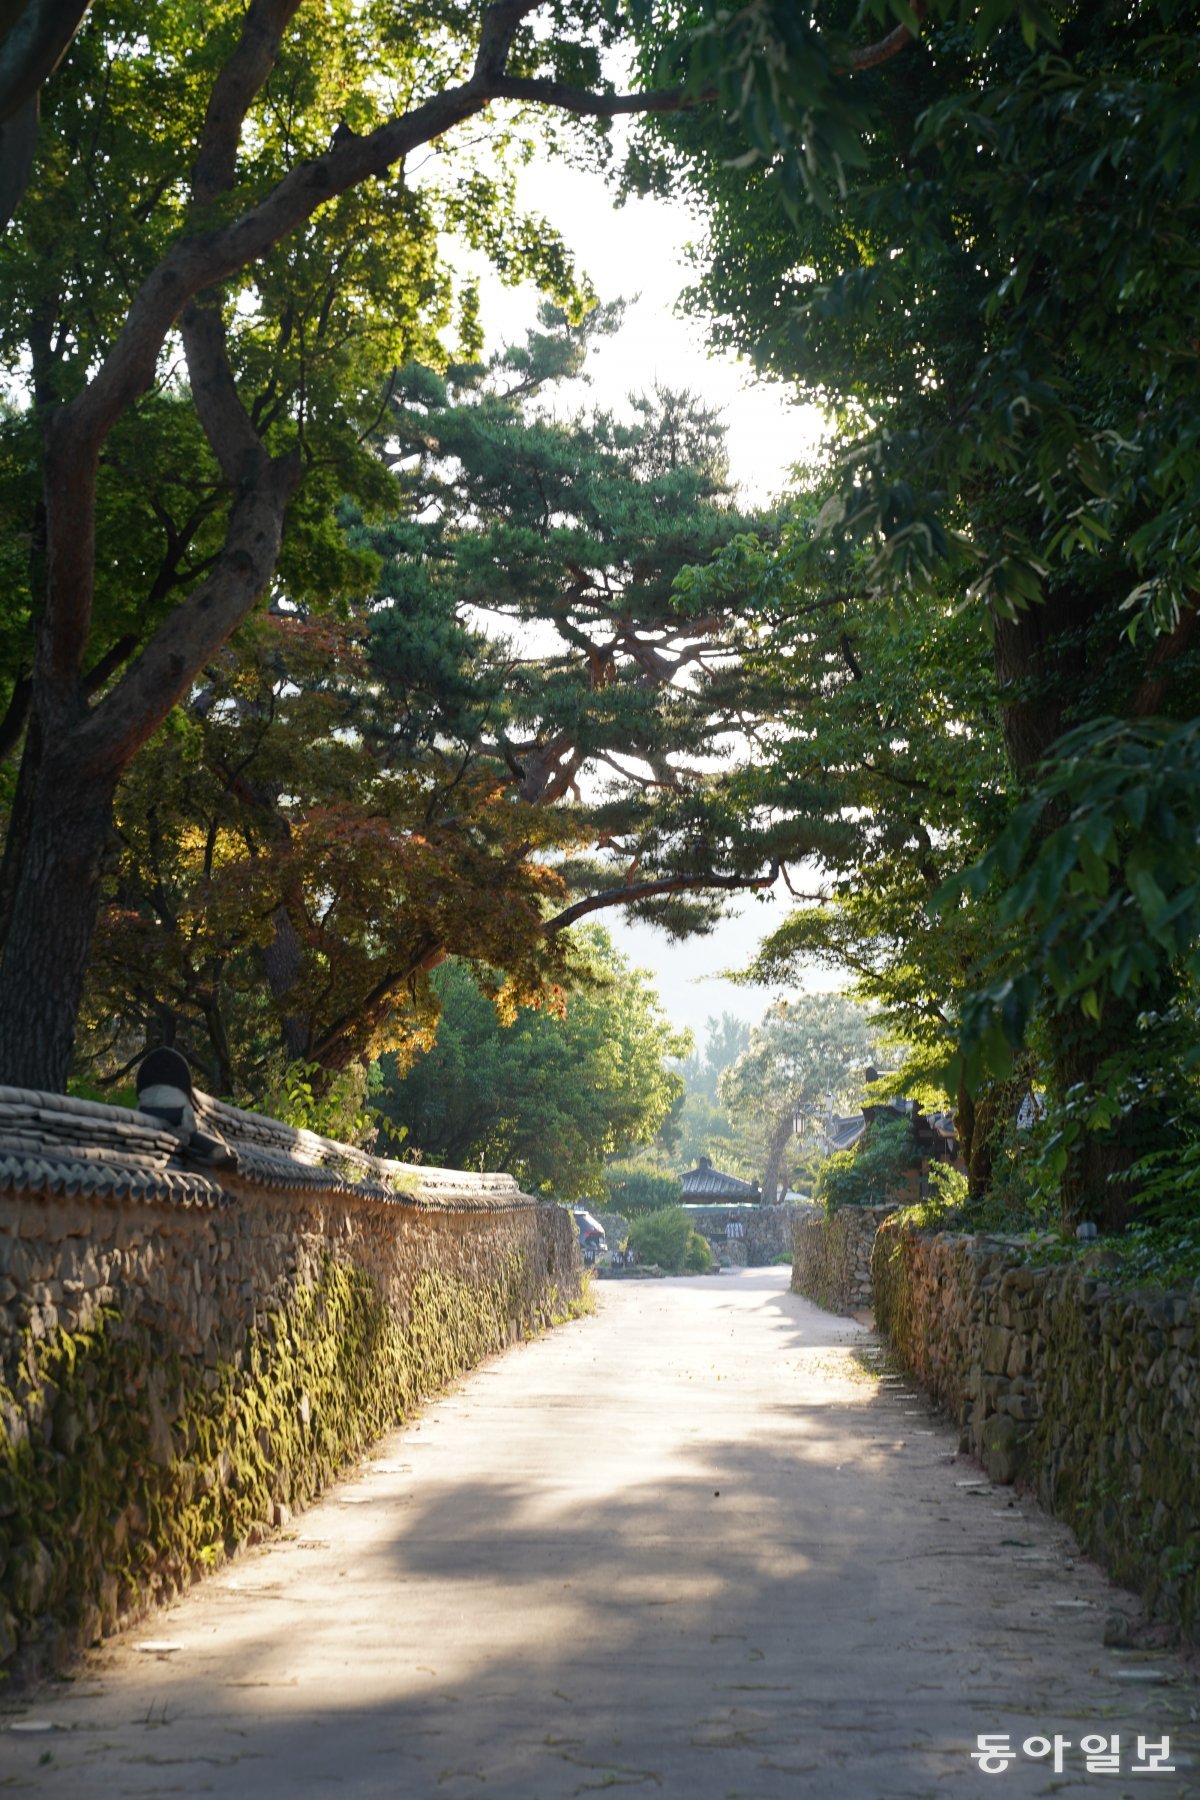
[946, 1206]
[662, 1237]
[698, 1256]
[873, 1172]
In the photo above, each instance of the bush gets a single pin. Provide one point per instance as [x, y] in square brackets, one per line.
[661, 1237]
[946, 1207]
[873, 1172]
[698, 1256]
[635, 1192]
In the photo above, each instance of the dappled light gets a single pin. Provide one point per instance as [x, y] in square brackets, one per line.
[693, 1540]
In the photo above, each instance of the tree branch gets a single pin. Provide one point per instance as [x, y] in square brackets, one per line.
[224, 420]
[232, 93]
[13, 722]
[883, 51]
[197, 628]
[647, 890]
[32, 46]
[1151, 692]
[585, 104]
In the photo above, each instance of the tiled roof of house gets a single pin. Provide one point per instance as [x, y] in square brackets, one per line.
[840, 1134]
[706, 1183]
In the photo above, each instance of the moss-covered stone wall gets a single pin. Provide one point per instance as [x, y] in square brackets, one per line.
[1087, 1392]
[831, 1256]
[174, 1379]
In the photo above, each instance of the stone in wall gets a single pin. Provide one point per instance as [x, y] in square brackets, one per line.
[1086, 1391]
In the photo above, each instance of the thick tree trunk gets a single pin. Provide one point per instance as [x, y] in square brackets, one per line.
[283, 964]
[1043, 665]
[51, 920]
[781, 1137]
[1094, 1184]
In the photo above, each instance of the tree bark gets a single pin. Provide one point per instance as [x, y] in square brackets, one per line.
[1042, 665]
[283, 962]
[781, 1137]
[55, 901]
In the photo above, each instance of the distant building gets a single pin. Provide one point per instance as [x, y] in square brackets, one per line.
[706, 1184]
[836, 1133]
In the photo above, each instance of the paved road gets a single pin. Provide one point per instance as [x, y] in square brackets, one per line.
[687, 1548]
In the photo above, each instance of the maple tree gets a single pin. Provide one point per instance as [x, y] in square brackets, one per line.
[279, 895]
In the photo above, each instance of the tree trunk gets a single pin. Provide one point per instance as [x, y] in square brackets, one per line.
[1094, 1184]
[781, 1137]
[20, 824]
[283, 964]
[51, 920]
[964, 1124]
[1042, 665]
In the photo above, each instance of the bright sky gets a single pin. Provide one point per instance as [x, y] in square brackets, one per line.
[639, 250]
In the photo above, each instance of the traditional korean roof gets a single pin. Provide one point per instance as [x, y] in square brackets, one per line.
[706, 1183]
[843, 1134]
[56, 1144]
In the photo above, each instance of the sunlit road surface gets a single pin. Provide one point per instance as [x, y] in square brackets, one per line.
[687, 1547]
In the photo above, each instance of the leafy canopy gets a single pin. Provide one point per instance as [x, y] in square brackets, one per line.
[549, 1095]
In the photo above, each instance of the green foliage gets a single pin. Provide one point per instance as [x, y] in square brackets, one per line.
[699, 1126]
[978, 252]
[345, 798]
[876, 1170]
[584, 525]
[698, 1257]
[1163, 1243]
[634, 1190]
[804, 1050]
[239, 181]
[945, 1207]
[545, 1093]
[724, 1040]
[1099, 870]
[278, 882]
[336, 1109]
[704, 1129]
[666, 1238]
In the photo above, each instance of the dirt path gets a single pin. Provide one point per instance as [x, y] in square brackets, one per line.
[687, 1547]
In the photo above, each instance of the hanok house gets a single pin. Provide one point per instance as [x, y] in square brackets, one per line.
[934, 1135]
[717, 1207]
[706, 1186]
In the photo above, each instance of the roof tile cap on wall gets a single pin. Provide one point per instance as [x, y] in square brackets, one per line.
[57, 1144]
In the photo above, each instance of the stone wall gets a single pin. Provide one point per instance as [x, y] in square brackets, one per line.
[1087, 1392]
[187, 1356]
[766, 1232]
[831, 1256]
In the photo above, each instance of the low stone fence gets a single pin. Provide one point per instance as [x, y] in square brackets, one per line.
[831, 1256]
[1087, 1392]
[762, 1234]
[187, 1354]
